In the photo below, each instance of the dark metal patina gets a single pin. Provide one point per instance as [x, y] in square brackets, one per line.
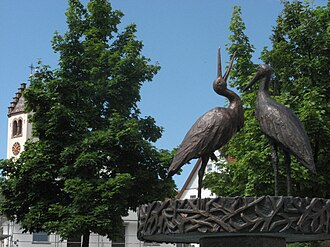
[282, 127]
[189, 221]
[212, 130]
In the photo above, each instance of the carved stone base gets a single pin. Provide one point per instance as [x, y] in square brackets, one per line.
[243, 241]
[187, 221]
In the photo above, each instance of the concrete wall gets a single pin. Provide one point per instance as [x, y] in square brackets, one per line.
[18, 239]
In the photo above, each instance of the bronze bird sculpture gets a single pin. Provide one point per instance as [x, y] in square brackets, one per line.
[212, 130]
[282, 127]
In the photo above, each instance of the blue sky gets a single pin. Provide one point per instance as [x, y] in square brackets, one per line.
[182, 36]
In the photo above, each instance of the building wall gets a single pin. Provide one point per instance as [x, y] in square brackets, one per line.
[21, 139]
[19, 239]
[191, 190]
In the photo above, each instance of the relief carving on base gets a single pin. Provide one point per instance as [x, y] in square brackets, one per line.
[266, 214]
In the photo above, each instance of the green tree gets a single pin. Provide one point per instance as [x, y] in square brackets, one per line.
[92, 157]
[300, 58]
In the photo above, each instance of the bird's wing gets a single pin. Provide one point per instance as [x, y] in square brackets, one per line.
[282, 125]
[203, 138]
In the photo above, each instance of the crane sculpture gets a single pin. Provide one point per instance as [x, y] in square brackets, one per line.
[212, 130]
[282, 127]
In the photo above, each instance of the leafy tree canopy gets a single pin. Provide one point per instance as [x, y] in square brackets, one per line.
[92, 157]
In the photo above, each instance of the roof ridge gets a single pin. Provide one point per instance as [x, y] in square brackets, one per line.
[16, 98]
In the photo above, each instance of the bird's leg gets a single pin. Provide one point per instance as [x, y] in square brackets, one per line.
[275, 164]
[287, 160]
[201, 175]
[213, 157]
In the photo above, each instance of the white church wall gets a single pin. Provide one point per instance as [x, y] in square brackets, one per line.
[21, 138]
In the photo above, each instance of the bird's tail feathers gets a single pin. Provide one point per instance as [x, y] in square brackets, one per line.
[177, 163]
[310, 165]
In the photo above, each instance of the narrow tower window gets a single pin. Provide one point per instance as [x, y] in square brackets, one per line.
[19, 127]
[14, 128]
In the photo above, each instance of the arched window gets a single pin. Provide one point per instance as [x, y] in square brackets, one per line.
[19, 127]
[14, 128]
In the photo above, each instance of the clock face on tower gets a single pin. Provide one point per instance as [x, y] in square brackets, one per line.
[16, 148]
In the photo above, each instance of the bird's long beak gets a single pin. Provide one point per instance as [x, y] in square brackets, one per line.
[219, 74]
[252, 82]
[225, 77]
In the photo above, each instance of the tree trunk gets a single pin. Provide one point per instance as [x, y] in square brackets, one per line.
[85, 241]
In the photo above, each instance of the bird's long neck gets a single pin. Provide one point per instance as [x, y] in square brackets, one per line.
[234, 101]
[264, 85]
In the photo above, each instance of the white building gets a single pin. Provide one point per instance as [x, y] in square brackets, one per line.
[19, 130]
[190, 188]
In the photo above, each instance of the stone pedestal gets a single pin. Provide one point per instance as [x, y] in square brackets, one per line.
[242, 241]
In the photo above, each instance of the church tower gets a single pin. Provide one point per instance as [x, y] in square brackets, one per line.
[19, 129]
